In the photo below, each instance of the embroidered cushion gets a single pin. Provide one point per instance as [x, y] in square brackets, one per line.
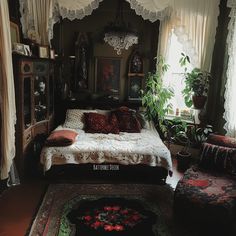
[75, 118]
[219, 158]
[127, 120]
[61, 138]
[99, 123]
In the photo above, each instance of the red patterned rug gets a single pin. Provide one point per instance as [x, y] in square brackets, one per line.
[106, 210]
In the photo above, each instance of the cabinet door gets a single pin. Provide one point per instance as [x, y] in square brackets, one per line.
[27, 101]
[40, 98]
[40, 91]
[51, 91]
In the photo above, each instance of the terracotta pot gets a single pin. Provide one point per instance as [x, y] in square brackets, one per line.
[183, 160]
[199, 101]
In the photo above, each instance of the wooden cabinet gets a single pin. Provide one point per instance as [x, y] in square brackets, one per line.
[34, 87]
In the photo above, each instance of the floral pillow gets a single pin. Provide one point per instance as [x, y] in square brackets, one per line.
[75, 118]
[127, 120]
[99, 123]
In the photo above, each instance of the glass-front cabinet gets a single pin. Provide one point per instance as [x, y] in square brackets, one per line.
[34, 103]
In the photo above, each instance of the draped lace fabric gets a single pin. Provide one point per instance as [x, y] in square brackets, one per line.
[36, 19]
[77, 9]
[126, 148]
[230, 98]
[7, 94]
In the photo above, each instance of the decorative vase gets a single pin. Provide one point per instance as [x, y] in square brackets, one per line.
[199, 101]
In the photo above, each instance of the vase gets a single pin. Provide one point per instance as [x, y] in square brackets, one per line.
[199, 101]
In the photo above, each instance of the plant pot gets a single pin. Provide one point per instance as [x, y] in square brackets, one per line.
[199, 101]
[183, 160]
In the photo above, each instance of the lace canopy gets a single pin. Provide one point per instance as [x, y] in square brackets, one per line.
[77, 9]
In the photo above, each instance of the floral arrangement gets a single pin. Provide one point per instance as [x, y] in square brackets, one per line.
[111, 218]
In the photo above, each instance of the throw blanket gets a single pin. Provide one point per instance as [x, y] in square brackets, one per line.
[124, 148]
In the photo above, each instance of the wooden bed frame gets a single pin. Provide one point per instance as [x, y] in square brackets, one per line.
[107, 172]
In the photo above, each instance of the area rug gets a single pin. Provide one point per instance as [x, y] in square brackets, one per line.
[76, 210]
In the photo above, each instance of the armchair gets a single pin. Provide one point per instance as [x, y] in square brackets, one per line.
[207, 192]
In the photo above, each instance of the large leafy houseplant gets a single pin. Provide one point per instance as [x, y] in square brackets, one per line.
[155, 97]
[196, 84]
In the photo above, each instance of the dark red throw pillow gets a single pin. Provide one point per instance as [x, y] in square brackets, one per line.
[128, 121]
[99, 123]
[61, 138]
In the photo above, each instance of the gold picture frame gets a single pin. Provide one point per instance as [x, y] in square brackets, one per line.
[43, 52]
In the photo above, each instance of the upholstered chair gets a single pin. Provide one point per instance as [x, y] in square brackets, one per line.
[207, 192]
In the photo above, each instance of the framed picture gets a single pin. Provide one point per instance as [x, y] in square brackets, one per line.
[107, 75]
[134, 88]
[18, 48]
[15, 35]
[43, 52]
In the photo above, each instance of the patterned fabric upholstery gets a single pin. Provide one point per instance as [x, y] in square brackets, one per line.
[128, 122]
[99, 123]
[207, 193]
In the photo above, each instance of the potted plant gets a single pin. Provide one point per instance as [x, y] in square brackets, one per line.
[196, 84]
[155, 97]
[179, 133]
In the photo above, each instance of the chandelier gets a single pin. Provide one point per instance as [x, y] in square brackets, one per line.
[117, 33]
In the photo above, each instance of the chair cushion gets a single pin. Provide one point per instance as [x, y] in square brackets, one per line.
[206, 195]
[221, 140]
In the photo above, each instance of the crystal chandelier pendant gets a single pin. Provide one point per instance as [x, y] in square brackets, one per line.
[120, 40]
[117, 33]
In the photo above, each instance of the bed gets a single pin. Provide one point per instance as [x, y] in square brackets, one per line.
[108, 150]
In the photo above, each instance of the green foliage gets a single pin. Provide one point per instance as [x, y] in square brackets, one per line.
[196, 81]
[155, 97]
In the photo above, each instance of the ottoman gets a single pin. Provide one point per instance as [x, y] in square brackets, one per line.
[208, 197]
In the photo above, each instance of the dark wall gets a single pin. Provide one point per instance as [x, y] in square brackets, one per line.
[215, 106]
[65, 36]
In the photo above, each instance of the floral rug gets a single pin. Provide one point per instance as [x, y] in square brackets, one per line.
[106, 210]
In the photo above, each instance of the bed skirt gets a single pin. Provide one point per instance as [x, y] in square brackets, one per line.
[108, 173]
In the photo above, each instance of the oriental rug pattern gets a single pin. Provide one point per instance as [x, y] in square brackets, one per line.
[54, 215]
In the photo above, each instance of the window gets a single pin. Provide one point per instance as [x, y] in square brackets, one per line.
[174, 77]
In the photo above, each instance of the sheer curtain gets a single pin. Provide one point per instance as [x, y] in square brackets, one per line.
[230, 95]
[194, 22]
[7, 93]
[36, 19]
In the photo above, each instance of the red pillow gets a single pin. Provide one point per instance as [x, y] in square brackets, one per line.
[99, 123]
[128, 121]
[61, 138]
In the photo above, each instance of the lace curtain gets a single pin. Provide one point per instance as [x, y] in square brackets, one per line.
[36, 19]
[194, 22]
[7, 93]
[230, 97]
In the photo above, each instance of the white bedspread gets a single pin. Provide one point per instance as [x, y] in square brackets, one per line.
[124, 148]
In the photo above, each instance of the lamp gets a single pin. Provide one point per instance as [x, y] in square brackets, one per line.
[117, 33]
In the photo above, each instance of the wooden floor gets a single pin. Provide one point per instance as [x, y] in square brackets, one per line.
[19, 204]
